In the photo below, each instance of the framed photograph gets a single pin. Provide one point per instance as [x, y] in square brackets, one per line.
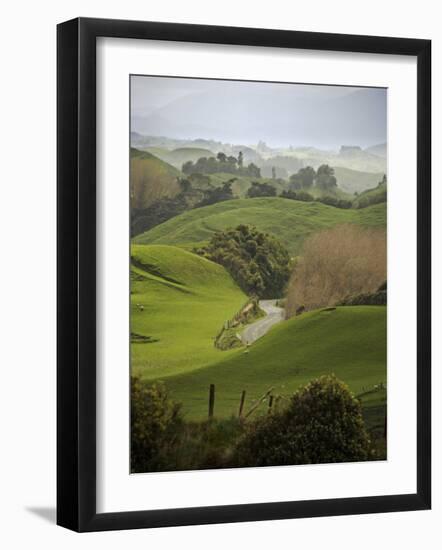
[234, 207]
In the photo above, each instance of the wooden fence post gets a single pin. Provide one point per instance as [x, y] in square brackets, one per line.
[277, 401]
[211, 400]
[270, 404]
[258, 403]
[241, 403]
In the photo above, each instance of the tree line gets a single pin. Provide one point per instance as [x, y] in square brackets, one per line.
[221, 163]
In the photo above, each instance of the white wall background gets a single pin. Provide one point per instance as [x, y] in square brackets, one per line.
[27, 273]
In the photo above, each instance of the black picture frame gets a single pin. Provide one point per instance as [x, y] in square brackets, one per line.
[76, 274]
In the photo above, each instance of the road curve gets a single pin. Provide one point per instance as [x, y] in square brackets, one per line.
[254, 331]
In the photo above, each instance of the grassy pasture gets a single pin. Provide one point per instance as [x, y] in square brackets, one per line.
[348, 341]
[179, 302]
[288, 220]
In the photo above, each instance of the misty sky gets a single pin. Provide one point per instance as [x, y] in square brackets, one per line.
[247, 112]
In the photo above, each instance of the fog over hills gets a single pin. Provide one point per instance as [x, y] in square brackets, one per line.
[281, 115]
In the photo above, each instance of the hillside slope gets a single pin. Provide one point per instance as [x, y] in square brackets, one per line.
[177, 157]
[179, 302]
[288, 220]
[150, 179]
[348, 341]
[353, 181]
[371, 196]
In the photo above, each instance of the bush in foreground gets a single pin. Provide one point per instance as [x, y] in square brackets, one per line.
[155, 421]
[322, 424]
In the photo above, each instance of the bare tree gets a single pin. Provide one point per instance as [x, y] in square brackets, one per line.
[337, 263]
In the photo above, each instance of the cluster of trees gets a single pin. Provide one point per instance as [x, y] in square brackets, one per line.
[258, 262]
[218, 194]
[261, 190]
[346, 260]
[221, 163]
[190, 196]
[324, 178]
[158, 212]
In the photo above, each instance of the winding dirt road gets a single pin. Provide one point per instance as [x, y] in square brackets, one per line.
[274, 315]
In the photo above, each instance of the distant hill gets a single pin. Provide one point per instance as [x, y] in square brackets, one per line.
[177, 157]
[351, 157]
[379, 150]
[353, 181]
[151, 179]
[289, 220]
[360, 160]
[285, 166]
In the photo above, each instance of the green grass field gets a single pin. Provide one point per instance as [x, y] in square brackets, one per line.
[288, 220]
[179, 302]
[349, 342]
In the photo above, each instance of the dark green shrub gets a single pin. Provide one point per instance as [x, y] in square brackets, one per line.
[378, 298]
[322, 424]
[297, 195]
[258, 262]
[155, 421]
[260, 190]
[330, 200]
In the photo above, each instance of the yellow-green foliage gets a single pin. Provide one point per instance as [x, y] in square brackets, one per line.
[336, 263]
[151, 179]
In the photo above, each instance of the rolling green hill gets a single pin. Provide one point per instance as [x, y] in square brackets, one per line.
[348, 341]
[371, 196]
[150, 179]
[179, 302]
[177, 157]
[352, 181]
[288, 220]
